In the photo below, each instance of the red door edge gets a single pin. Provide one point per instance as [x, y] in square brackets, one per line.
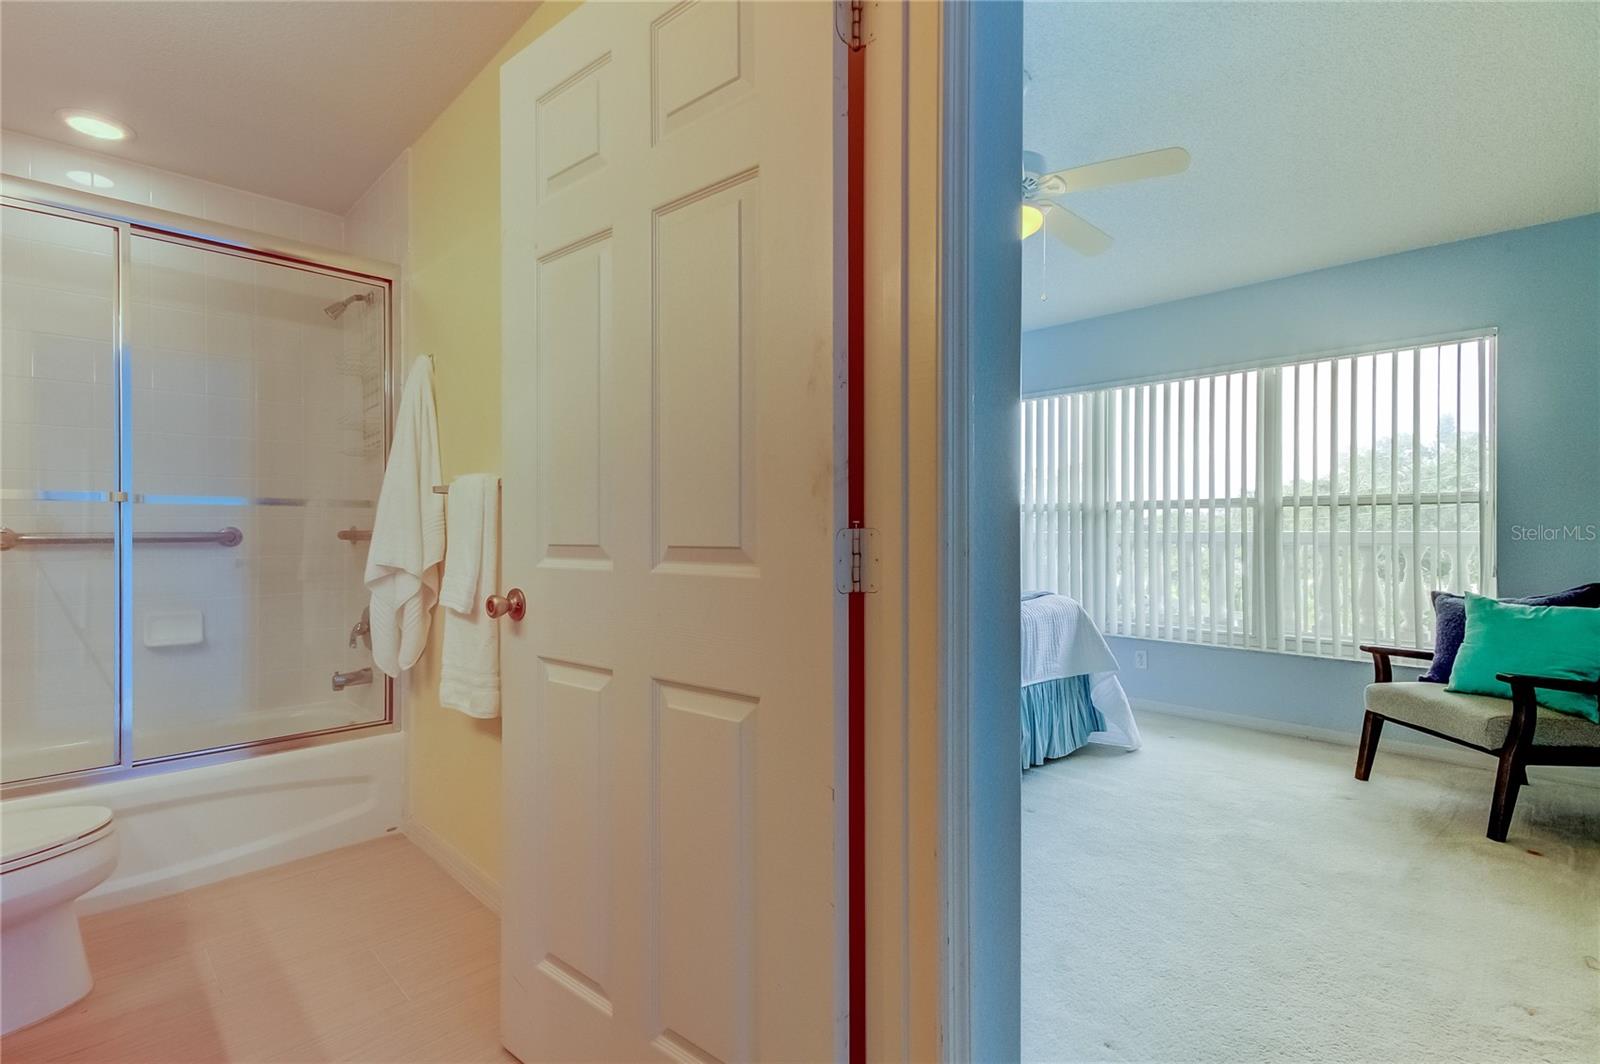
[855, 511]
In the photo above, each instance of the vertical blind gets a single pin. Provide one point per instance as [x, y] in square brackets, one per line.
[1307, 507]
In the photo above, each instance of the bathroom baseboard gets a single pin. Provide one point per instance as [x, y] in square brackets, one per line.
[475, 880]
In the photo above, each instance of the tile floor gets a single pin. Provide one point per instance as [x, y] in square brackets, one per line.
[369, 953]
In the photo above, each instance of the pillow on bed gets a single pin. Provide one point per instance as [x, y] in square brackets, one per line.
[1450, 622]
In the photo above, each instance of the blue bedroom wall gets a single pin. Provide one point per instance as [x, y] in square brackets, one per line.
[1540, 286]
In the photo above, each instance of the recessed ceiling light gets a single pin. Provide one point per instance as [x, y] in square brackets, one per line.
[89, 180]
[98, 126]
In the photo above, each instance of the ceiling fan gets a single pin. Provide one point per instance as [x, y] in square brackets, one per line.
[1042, 192]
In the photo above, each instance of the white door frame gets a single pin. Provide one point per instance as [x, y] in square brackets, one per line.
[979, 389]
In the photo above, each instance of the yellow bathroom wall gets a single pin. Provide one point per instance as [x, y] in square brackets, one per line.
[453, 287]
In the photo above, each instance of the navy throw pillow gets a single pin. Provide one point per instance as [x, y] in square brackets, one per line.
[1450, 622]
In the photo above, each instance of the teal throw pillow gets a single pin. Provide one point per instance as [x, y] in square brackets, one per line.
[1558, 641]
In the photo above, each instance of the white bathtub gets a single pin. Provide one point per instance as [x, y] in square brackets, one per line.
[25, 760]
[190, 826]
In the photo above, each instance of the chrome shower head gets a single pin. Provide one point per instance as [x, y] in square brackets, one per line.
[334, 310]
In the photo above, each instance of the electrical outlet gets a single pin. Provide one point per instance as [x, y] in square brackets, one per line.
[1141, 659]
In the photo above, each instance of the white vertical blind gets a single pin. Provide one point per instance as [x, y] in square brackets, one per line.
[1308, 507]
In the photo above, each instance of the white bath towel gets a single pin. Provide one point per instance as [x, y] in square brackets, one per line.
[469, 678]
[408, 531]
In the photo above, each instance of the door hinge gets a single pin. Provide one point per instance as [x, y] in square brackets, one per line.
[855, 560]
[849, 17]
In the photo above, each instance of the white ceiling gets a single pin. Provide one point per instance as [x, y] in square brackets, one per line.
[307, 102]
[1321, 133]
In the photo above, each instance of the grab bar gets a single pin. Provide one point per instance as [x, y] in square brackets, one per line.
[223, 537]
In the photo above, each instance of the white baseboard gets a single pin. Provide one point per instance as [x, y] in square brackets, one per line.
[1390, 743]
[475, 880]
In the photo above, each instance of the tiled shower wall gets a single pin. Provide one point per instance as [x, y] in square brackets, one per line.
[378, 225]
[241, 386]
[43, 160]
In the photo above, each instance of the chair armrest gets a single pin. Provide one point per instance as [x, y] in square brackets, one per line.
[1383, 666]
[1549, 683]
[1524, 704]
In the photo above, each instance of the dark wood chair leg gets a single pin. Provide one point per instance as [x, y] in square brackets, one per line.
[1371, 728]
[1513, 759]
[1507, 782]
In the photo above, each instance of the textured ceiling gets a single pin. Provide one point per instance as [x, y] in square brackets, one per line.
[1321, 133]
[308, 102]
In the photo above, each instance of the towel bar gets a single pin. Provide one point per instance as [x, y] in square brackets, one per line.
[444, 489]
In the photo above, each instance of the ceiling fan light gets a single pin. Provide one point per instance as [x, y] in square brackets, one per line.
[1032, 220]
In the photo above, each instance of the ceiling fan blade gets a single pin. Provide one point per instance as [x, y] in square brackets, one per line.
[1074, 232]
[1160, 163]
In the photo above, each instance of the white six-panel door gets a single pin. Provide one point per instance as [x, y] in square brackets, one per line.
[673, 725]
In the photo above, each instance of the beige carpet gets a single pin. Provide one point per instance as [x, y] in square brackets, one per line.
[1232, 896]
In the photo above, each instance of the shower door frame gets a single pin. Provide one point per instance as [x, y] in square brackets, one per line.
[130, 220]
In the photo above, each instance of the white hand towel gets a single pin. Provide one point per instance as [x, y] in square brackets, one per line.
[408, 531]
[469, 678]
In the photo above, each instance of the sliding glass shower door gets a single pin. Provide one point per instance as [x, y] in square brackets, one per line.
[58, 476]
[194, 441]
[257, 409]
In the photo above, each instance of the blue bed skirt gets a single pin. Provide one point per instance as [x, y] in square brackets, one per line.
[1057, 718]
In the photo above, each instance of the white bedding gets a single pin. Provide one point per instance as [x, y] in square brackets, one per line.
[1059, 640]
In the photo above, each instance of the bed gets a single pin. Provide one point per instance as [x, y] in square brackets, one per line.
[1070, 691]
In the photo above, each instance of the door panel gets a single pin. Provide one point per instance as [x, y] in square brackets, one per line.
[673, 731]
[573, 360]
[703, 408]
[704, 886]
[577, 846]
[571, 135]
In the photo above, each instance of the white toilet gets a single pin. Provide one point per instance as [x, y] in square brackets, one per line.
[49, 858]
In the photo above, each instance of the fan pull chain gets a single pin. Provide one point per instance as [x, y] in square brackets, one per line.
[1044, 265]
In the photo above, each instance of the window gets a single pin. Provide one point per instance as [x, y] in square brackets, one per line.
[1307, 507]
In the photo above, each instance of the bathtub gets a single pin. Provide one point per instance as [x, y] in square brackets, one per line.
[26, 760]
[191, 826]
